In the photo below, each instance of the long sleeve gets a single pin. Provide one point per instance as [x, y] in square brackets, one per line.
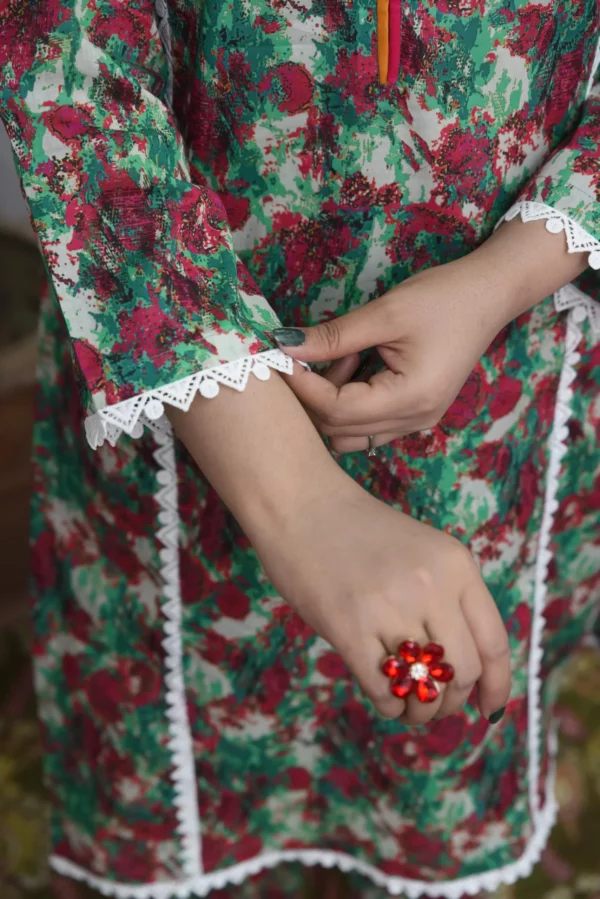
[140, 258]
[566, 189]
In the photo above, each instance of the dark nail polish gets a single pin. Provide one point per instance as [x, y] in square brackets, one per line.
[289, 336]
[495, 717]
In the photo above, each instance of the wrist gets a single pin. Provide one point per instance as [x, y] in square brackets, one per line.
[502, 267]
[532, 262]
[261, 453]
[269, 508]
[492, 298]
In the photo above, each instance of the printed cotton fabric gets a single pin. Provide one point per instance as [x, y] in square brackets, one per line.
[196, 174]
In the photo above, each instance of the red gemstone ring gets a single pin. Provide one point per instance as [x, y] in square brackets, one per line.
[418, 671]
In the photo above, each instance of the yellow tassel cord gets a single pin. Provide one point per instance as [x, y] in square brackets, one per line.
[383, 38]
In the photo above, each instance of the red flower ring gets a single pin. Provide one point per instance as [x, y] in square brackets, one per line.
[417, 670]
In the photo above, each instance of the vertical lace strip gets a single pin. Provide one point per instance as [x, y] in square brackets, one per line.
[180, 737]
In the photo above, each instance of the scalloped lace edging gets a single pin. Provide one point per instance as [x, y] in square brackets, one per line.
[180, 742]
[413, 889]
[578, 239]
[558, 445]
[595, 67]
[130, 416]
[571, 297]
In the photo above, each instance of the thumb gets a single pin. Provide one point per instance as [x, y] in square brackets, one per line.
[359, 330]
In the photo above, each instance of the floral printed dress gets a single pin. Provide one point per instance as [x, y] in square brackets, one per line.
[198, 172]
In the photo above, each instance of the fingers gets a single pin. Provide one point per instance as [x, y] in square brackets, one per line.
[453, 633]
[354, 403]
[349, 410]
[476, 645]
[366, 665]
[342, 370]
[360, 444]
[490, 637]
[358, 330]
[363, 430]
[473, 664]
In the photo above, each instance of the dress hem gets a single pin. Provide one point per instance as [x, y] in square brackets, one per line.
[202, 884]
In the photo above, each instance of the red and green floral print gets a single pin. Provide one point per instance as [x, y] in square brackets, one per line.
[139, 255]
[196, 731]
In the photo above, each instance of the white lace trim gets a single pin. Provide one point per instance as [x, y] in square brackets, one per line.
[595, 64]
[570, 297]
[558, 447]
[413, 889]
[543, 818]
[578, 239]
[147, 408]
[180, 737]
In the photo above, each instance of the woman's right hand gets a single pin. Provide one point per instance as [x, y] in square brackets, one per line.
[366, 577]
[363, 575]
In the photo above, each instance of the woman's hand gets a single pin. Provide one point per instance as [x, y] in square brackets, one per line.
[366, 577]
[430, 332]
[363, 575]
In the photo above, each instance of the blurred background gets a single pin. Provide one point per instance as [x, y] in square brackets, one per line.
[570, 868]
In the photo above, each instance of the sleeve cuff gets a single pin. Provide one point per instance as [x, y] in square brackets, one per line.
[147, 408]
[578, 239]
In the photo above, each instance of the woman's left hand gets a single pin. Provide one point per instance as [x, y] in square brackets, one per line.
[430, 333]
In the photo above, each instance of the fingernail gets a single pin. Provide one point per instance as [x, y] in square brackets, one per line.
[495, 717]
[289, 336]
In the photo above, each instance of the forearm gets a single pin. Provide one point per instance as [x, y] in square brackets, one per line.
[259, 450]
[527, 264]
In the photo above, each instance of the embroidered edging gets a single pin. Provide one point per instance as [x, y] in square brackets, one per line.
[180, 741]
[130, 416]
[571, 297]
[595, 66]
[578, 239]
[558, 447]
[413, 889]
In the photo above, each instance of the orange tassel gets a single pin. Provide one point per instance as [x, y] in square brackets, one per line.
[383, 38]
